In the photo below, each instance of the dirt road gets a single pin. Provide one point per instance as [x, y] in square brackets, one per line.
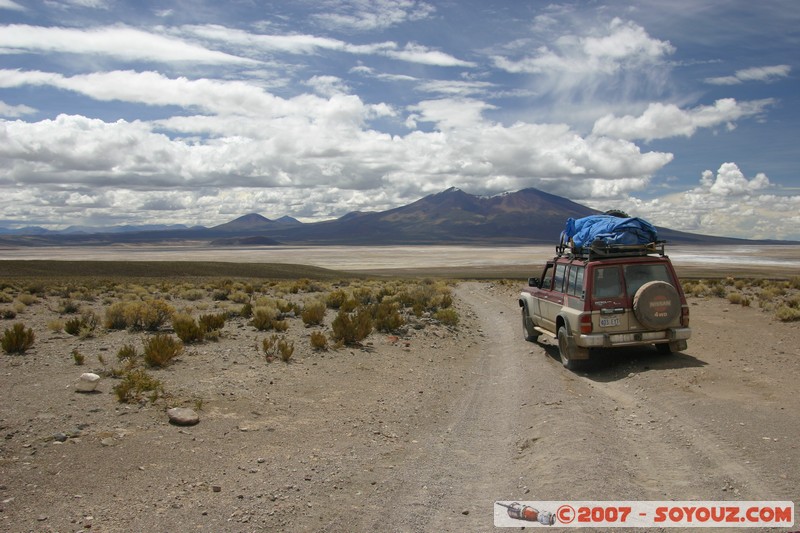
[421, 433]
[718, 422]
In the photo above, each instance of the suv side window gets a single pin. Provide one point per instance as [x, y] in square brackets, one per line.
[561, 271]
[575, 285]
[547, 277]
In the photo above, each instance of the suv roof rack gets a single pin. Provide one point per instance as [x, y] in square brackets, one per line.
[599, 249]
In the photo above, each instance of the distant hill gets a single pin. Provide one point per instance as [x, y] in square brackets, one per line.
[453, 216]
[91, 230]
[245, 223]
[529, 216]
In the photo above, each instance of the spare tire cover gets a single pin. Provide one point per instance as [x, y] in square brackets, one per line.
[656, 305]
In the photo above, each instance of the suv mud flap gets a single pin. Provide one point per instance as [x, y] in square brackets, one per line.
[572, 355]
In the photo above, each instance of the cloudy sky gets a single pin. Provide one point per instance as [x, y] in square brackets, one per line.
[685, 112]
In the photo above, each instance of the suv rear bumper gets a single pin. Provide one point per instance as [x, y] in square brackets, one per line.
[611, 340]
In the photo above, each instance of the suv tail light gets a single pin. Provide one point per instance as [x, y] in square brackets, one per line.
[586, 323]
[685, 316]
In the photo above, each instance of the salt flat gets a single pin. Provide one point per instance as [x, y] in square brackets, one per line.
[783, 260]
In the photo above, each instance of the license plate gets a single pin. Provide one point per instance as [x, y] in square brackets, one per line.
[609, 322]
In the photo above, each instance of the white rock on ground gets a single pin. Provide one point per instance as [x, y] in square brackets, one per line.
[88, 382]
[183, 416]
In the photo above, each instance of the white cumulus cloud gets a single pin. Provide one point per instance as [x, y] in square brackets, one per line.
[661, 121]
[726, 203]
[618, 46]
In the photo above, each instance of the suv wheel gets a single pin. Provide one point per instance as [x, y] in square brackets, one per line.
[527, 326]
[567, 350]
[656, 305]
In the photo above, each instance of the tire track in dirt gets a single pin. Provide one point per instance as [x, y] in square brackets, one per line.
[449, 480]
[521, 427]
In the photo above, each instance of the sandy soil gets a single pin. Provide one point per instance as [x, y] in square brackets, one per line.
[420, 433]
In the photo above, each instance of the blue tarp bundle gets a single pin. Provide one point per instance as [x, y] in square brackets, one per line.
[610, 230]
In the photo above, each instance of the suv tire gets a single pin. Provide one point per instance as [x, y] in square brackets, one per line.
[527, 326]
[567, 350]
[656, 305]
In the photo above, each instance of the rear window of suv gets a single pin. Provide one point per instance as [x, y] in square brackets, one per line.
[639, 274]
[607, 283]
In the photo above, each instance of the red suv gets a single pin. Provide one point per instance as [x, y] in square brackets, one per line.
[606, 297]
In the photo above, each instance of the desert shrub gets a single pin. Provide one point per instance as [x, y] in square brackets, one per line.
[444, 299]
[417, 297]
[68, 307]
[219, 295]
[352, 328]
[246, 310]
[35, 287]
[8, 314]
[386, 290]
[735, 297]
[27, 299]
[83, 326]
[134, 384]
[160, 349]
[129, 352]
[336, 299]
[280, 325]
[313, 313]
[387, 317]
[17, 339]
[263, 317]
[285, 350]
[78, 357]
[300, 285]
[719, 290]
[84, 295]
[115, 316]
[771, 292]
[212, 322]
[319, 341]
[72, 326]
[738, 298]
[151, 315]
[55, 325]
[349, 305]
[239, 297]
[193, 294]
[364, 296]
[277, 346]
[316, 286]
[794, 283]
[448, 317]
[187, 329]
[700, 289]
[786, 313]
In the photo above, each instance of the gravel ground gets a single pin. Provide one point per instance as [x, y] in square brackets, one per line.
[420, 431]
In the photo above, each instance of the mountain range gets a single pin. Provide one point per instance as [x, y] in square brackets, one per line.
[528, 216]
